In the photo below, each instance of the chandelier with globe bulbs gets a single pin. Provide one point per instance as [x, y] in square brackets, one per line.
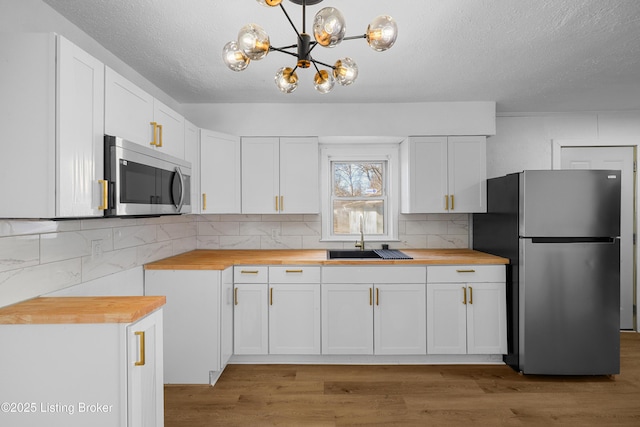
[329, 30]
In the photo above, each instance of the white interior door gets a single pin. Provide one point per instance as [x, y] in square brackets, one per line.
[621, 158]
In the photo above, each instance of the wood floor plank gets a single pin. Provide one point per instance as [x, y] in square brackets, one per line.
[392, 395]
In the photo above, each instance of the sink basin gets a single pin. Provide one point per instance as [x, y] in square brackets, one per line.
[350, 253]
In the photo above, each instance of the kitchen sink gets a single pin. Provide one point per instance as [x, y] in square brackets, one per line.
[358, 254]
[350, 253]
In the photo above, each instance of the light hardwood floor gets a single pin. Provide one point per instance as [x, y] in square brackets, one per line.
[340, 395]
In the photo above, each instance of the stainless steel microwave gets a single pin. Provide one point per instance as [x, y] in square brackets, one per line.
[142, 181]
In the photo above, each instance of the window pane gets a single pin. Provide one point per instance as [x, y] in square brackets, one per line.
[358, 179]
[347, 215]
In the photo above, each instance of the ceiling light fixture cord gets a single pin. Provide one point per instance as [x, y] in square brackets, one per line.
[329, 30]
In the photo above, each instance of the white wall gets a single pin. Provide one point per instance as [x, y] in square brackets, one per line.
[401, 119]
[527, 141]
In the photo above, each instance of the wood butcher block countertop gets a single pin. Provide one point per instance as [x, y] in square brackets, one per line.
[221, 259]
[50, 310]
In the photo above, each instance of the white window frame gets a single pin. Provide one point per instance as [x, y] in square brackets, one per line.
[388, 153]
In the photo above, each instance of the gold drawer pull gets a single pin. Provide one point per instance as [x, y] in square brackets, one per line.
[270, 296]
[466, 271]
[294, 271]
[377, 296]
[140, 361]
[453, 202]
[464, 295]
[235, 296]
[370, 296]
[155, 134]
[470, 295]
[204, 201]
[249, 272]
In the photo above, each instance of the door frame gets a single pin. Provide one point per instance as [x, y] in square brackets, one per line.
[556, 153]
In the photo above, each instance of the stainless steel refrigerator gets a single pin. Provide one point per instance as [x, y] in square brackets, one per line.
[560, 229]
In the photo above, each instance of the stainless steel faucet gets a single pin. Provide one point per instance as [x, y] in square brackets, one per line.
[360, 243]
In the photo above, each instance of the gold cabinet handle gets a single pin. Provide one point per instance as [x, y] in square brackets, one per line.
[140, 361]
[446, 202]
[377, 296]
[470, 295]
[248, 271]
[281, 203]
[453, 200]
[235, 296]
[160, 142]
[155, 134]
[204, 201]
[105, 194]
[294, 271]
[370, 296]
[277, 204]
[464, 295]
[270, 296]
[465, 271]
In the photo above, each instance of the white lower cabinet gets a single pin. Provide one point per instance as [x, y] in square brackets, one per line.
[98, 374]
[198, 322]
[466, 308]
[385, 318]
[280, 315]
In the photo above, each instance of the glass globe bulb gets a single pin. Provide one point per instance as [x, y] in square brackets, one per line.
[382, 33]
[269, 3]
[329, 27]
[323, 81]
[253, 41]
[345, 71]
[235, 59]
[286, 79]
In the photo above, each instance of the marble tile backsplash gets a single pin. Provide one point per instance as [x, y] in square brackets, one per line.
[41, 257]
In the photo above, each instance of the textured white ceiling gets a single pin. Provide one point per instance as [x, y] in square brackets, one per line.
[527, 55]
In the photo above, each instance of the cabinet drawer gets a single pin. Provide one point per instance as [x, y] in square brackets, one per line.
[465, 273]
[250, 274]
[373, 274]
[294, 274]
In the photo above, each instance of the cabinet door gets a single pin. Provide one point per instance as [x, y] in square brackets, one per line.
[400, 319]
[260, 175]
[145, 389]
[486, 318]
[426, 183]
[250, 326]
[220, 173]
[347, 319]
[299, 189]
[446, 318]
[193, 306]
[226, 327]
[80, 112]
[172, 131]
[467, 174]
[128, 110]
[294, 319]
[192, 155]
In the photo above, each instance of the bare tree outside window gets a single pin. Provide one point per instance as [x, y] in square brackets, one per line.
[358, 197]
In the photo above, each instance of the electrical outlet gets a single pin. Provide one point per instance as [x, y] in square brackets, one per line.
[96, 248]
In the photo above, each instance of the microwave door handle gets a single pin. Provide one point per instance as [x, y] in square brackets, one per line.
[181, 202]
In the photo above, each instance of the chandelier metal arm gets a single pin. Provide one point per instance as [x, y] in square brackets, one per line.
[281, 49]
[364, 36]
[321, 63]
[289, 19]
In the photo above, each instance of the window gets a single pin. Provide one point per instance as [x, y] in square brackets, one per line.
[359, 192]
[358, 197]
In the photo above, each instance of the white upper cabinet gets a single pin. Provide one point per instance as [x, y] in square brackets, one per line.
[444, 174]
[280, 175]
[51, 114]
[134, 115]
[219, 173]
[192, 155]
